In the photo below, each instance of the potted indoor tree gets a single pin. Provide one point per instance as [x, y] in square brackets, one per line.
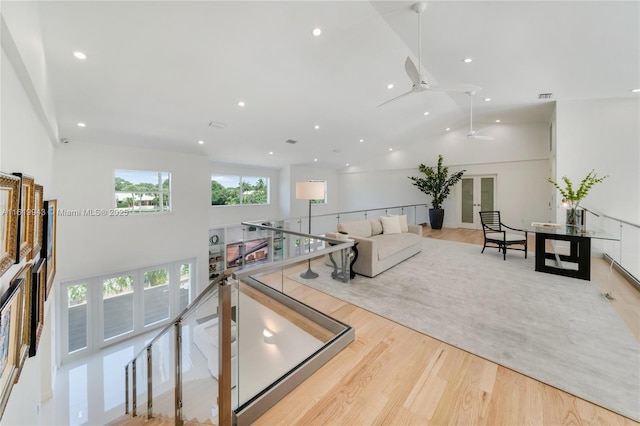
[436, 183]
[571, 198]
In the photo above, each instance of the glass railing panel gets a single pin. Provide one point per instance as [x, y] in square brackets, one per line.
[163, 358]
[630, 250]
[141, 384]
[199, 356]
[272, 332]
[625, 252]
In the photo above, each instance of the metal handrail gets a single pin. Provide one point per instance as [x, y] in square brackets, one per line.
[215, 286]
[626, 222]
[212, 285]
[369, 210]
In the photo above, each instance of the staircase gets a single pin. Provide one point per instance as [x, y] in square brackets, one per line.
[141, 420]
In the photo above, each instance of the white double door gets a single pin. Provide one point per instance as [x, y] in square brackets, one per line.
[478, 193]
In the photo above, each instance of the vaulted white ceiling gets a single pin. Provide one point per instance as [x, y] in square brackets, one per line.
[158, 72]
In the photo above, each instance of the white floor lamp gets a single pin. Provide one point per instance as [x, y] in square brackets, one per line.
[309, 191]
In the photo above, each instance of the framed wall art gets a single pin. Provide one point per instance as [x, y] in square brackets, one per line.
[49, 242]
[22, 280]
[9, 318]
[25, 218]
[9, 201]
[38, 220]
[38, 285]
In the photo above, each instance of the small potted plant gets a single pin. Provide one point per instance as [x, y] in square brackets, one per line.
[436, 183]
[572, 198]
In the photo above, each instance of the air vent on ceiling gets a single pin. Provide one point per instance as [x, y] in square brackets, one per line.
[545, 96]
[217, 124]
[291, 141]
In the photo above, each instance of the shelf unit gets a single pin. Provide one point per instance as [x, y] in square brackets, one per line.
[217, 252]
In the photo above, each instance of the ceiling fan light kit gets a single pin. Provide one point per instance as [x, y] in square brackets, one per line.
[419, 83]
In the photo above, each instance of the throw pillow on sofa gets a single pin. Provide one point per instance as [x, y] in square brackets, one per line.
[390, 224]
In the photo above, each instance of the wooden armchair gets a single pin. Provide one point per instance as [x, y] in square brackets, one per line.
[494, 233]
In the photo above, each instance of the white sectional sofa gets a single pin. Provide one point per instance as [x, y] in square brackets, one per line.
[383, 242]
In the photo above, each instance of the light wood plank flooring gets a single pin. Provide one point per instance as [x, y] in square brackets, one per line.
[392, 375]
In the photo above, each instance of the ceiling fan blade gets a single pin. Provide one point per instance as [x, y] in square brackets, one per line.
[397, 97]
[412, 72]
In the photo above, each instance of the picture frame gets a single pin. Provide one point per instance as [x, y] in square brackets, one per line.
[25, 218]
[38, 286]
[9, 333]
[9, 202]
[38, 220]
[49, 242]
[22, 280]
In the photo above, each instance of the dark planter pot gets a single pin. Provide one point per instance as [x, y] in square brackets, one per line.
[436, 217]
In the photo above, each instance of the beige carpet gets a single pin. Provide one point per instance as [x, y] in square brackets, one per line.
[558, 330]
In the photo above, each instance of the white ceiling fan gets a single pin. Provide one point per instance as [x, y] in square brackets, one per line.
[419, 83]
[474, 133]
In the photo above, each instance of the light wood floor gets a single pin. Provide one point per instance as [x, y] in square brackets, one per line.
[391, 375]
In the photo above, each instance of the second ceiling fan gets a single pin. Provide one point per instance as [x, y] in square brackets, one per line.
[473, 134]
[419, 83]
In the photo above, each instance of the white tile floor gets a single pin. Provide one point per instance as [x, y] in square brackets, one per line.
[90, 391]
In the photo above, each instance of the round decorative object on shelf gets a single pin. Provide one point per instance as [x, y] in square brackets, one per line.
[215, 239]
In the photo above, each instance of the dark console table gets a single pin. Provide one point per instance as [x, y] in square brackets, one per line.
[579, 250]
[341, 275]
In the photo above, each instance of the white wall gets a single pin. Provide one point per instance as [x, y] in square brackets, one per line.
[90, 246]
[603, 135]
[26, 146]
[518, 156]
[23, 42]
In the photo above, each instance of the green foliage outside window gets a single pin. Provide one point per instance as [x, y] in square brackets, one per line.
[157, 277]
[142, 196]
[117, 285]
[254, 191]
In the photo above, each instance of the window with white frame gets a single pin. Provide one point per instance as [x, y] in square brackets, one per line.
[232, 190]
[138, 191]
[101, 310]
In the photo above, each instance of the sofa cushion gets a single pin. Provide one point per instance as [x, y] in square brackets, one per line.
[390, 225]
[358, 228]
[376, 226]
[390, 244]
[404, 226]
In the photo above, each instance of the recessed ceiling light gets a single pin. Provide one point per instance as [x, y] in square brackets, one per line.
[347, 164]
[467, 60]
[361, 140]
[316, 127]
[389, 86]
[497, 121]
[79, 55]
[448, 128]
[316, 32]
[487, 99]
[315, 159]
[82, 125]
[635, 90]
[426, 113]
[201, 142]
[390, 149]
[241, 104]
[270, 152]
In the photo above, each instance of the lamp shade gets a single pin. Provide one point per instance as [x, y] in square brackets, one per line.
[310, 190]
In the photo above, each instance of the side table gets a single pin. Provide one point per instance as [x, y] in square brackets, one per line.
[341, 274]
